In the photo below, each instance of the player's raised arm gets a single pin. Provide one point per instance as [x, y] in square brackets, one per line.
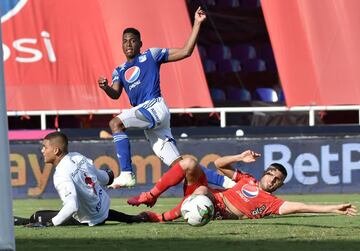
[224, 164]
[113, 91]
[176, 54]
[298, 207]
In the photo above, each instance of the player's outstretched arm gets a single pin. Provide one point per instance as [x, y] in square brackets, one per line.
[224, 164]
[113, 91]
[67, 193]
[298, 207]
[176, 54]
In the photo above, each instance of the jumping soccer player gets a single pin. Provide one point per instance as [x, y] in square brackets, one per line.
[79, 185]
[249, 198]
[140, 78]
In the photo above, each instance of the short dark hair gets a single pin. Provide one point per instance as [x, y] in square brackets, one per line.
[278, 167]
[132, 31]
[60, 138]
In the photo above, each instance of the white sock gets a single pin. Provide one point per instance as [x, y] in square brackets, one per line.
[228, 183]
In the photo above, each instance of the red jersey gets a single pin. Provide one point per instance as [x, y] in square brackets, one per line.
[249, 199]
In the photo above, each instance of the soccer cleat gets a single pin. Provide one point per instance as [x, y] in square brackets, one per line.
[125, 179]
[19, 221]
[144, 198]
[148, 216]
[40, 224]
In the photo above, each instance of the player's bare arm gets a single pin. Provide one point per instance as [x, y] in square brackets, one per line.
[176, 54]
[298, 207]
[224, 164]
[113, 91]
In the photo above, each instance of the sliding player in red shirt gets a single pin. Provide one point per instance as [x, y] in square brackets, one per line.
[249, 198]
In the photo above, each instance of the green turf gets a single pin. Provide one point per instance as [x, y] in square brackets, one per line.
[293, 232]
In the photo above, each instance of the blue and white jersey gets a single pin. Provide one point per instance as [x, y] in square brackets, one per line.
[141, 77]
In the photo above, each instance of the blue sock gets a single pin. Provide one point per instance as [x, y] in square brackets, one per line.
[213, 177]
[122, 145]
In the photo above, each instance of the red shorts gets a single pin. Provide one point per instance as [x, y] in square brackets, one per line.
[219, 205]
[189, 189]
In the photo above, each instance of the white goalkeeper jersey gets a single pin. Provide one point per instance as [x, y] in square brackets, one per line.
[78, 183]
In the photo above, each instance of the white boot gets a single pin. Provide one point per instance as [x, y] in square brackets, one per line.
[125, 179]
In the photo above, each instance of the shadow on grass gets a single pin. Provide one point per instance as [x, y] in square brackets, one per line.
[182, 244]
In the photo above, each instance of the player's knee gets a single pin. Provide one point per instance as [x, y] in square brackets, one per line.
[116, 125]
[201, 190]
[113, 124]
[188, 164]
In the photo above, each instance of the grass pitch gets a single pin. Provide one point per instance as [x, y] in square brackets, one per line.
[293, 232]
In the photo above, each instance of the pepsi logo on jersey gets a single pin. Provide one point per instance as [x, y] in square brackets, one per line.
[250, 191]
[132, 74]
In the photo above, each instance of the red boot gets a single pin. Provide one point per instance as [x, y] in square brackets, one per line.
[144, 198]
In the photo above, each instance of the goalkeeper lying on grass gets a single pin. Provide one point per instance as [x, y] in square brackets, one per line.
[79, 185]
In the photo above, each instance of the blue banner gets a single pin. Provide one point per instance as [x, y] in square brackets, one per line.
[314, 164]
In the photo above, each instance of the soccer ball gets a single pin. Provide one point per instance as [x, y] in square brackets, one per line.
[197, 210]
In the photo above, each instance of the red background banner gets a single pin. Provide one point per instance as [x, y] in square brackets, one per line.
[54, 52]
[316, 46]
